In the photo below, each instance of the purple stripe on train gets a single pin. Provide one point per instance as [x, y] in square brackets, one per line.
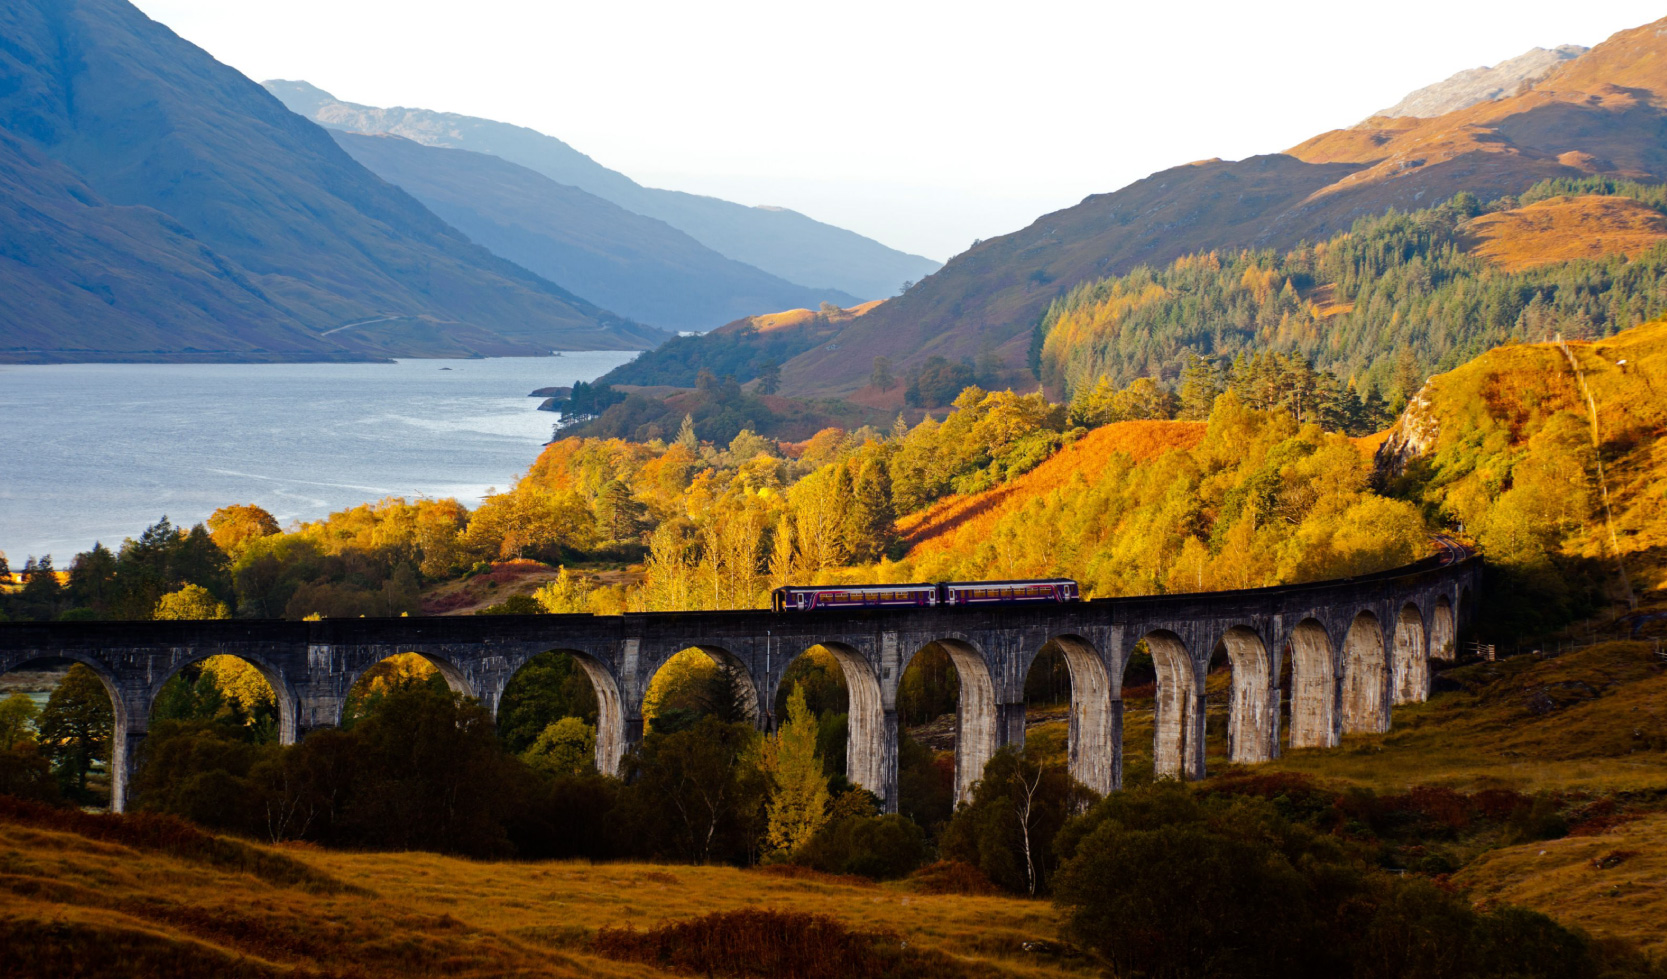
[793, 598]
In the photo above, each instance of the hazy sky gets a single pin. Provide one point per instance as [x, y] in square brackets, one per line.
[923, 124]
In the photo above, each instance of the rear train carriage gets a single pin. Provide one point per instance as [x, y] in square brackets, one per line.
[1007, 592]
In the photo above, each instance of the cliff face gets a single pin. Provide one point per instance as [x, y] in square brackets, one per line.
[1414, 435]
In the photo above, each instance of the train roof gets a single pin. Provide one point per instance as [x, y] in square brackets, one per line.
[909, 584]
[1017, 581]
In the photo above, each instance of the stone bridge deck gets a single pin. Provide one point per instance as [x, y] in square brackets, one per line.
[1357, 647]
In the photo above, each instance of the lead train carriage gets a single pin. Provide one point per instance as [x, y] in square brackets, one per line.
[802, 599]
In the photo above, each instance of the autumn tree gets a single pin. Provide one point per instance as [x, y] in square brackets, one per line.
[76, 726]
[18, 715]
[190, 602]
[232, 527]
[798, 805]
[565, 747]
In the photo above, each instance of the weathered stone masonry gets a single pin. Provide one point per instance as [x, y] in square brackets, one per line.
[1357, 648]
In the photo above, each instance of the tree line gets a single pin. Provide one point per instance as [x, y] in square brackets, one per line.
[1380, 307]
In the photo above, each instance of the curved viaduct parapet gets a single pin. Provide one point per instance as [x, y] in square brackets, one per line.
[1339, 676]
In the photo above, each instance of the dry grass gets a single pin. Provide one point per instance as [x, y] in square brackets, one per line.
[1592, 721]
[1613, 884]
[954, 521]
[102, 907]
[1564, 229]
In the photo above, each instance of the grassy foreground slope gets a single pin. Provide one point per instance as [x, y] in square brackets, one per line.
[146, 904]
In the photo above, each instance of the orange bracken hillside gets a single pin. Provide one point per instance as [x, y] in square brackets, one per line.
[947, 524]
[1564, 229]
[790, 318]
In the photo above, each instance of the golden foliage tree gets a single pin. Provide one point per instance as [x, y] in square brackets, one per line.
[798, 805]
[190, 602]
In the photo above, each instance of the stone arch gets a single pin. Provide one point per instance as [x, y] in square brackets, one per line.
[757, 709]
[1253, 710]
[610, 710]
[976, 738]
[1313, 687]
[129, 719]
[449, 671]
[288, 702]
[865, 745]
[1178, 709]
[1366, 689]
[1443, 635]
[1091, 735]
[1410, 663]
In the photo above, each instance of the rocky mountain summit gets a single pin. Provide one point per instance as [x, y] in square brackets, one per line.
[1485, 84]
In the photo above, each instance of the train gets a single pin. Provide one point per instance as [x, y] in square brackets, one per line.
[793, 598]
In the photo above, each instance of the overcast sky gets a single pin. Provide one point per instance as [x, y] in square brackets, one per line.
[923, 124]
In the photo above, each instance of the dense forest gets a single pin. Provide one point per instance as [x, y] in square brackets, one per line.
[1398, 297]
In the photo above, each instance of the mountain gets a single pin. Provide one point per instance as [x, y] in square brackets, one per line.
[161, 206]
[782, 242]
[637, 266]
[1602, 113]
[1473, 85]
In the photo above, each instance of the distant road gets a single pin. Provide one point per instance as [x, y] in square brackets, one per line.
[349, 326]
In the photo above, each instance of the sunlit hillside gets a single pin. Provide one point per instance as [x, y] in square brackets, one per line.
[958, 521]
[1563, 229]
[1503, 447]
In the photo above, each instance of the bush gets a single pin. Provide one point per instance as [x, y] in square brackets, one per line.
[772, 945]
[1167, 882]
[1008, 828]
[876, 847]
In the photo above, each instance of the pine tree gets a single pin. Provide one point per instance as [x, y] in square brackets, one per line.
[686, 435]
[769, 377]
[798, 804]
[870, 520]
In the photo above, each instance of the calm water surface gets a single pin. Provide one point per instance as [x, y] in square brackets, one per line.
[101, 451]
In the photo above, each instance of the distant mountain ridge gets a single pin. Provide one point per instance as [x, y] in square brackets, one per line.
[1486, 84]
[634, 265]
[158, 205]
[1603, 113]
[782, 242]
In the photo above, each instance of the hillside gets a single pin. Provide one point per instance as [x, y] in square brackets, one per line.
[739, 348]
[1566, 229]
[1502, 446]
[141, 172]
[1394, 299]
[958, 523]
[783, 243]
[639, 267]
[1599, 113]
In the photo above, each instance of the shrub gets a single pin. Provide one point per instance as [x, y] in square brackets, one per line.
[877, 847]
[772, 945]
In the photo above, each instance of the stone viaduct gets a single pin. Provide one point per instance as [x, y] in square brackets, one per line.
[1355, 648]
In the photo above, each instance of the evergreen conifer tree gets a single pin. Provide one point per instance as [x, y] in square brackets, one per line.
[798, 804]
